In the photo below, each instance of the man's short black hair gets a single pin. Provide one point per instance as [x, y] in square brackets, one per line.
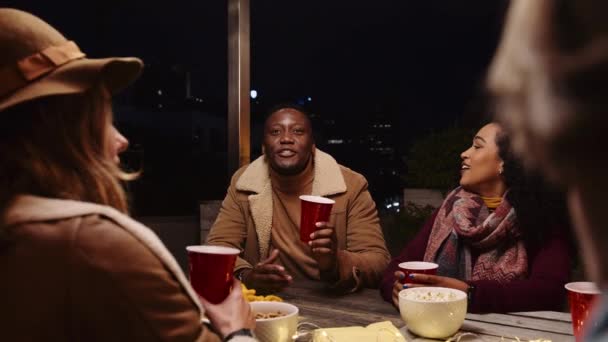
[288, 105]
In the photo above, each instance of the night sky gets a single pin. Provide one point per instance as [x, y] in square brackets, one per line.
[419, 63]
[422, 59]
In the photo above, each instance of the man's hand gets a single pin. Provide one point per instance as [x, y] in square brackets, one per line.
[267, 277]
[433, 280]
[323, 246]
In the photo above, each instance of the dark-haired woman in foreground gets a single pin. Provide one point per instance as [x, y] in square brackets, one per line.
[499, 236]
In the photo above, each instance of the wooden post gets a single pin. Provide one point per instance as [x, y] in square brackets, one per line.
[239, 151]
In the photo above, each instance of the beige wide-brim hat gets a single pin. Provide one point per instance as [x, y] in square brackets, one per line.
[38, 61]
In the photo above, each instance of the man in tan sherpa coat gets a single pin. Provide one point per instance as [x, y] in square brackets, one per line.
[261, 214]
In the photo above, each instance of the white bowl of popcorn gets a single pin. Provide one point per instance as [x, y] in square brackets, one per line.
[433, 312]
[275, 321]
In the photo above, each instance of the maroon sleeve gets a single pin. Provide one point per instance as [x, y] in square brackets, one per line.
[550, 265]
[413, 251]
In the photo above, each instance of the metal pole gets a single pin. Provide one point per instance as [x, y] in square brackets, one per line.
[238, 85]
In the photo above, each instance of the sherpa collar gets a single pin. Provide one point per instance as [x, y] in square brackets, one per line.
[328, 180]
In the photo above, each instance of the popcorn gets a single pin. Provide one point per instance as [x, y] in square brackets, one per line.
[430, 296]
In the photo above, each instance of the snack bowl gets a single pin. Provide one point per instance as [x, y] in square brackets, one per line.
[433, 312]
[276, 329]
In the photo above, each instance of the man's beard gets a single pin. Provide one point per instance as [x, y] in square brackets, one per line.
[291, 170]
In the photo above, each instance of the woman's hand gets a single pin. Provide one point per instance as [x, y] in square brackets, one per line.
[433, 280]
[397, 287]
[233, 314]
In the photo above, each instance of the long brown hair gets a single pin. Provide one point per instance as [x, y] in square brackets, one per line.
[56, 147]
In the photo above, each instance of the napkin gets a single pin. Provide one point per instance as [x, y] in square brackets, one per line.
[375, 332]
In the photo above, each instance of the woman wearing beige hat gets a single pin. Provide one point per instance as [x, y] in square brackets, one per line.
[550, 79]
[74, 266]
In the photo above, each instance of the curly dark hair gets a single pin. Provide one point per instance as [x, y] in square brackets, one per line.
[540, 205]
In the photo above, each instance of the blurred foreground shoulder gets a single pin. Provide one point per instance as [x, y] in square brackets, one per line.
[120, 282]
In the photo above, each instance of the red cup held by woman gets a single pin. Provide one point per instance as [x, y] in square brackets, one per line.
[211, 270]
[422, 267]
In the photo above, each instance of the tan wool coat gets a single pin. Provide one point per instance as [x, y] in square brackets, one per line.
[245, 220]
[75, 271]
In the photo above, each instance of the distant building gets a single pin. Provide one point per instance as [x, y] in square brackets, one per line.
[368, 146]
[177, 138]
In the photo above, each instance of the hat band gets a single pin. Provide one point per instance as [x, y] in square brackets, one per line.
[29, 68]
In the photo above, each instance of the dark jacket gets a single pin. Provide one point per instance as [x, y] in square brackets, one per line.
[549, 266]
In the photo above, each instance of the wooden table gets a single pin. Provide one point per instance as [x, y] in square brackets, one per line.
[328, 310]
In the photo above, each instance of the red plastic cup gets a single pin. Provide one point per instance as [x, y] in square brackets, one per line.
[423, 267]
[581, 295]
[211, 270]
[314, 209]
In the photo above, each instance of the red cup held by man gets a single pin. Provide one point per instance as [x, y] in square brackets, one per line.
[314, 209]
[211, 270]
[421, 267]
[582, 296]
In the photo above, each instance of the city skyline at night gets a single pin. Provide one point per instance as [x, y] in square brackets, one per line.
[376, 78]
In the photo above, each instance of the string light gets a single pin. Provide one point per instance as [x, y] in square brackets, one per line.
[459, 336]
[305, 329]
[317, 333]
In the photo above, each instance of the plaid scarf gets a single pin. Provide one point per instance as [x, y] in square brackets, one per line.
[464, 223]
